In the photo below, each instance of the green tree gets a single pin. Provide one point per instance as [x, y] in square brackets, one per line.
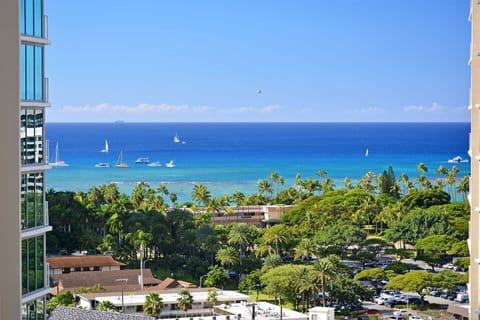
[64, 298]
[217, 276]
[106, 306]
[413, 281]
[153, 304]
[375, 276]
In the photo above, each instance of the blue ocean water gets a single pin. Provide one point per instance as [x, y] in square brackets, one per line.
[227, 157]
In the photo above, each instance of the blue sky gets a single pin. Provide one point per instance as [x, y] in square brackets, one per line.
[314, 60]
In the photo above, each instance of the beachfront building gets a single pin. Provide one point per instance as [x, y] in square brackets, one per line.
[23, 99]
[261, 216]
[474, 237]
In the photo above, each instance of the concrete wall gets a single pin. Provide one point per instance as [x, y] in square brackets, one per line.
[10, 281]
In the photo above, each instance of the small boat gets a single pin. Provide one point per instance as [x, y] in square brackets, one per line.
[171, 164]
[457, 159]
[366, 153]
[106, 147]
[154, 164]
[102, 165]
[120, 164]
[58, 162]
[176, 139]
[142, 160]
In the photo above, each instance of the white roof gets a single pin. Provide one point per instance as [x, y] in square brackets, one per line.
[263, 311]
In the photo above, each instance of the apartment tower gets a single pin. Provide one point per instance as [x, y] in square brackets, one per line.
[474, 238]
[24, 214]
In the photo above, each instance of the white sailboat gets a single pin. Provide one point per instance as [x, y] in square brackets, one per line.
[120, 164]
[170, 164]
[176, 139]
[58, 162]
[106, 147]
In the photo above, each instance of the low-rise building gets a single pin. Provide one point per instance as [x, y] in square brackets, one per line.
[79, 263]
[261, 216]
[132, 301]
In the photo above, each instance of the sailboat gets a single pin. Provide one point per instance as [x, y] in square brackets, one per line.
[176, 139]
[106, 147]
[120, 164]
[58, 162]
[366, 153]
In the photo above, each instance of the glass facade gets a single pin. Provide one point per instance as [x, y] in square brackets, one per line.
[32, 200]
[31, 72]
[31, 18]
[32, 153]
[33, 310]
[31, 136]
[33, 260]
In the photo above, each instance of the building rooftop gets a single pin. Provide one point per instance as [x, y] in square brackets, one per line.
[108, 279]
[62, 313]
[61, 262]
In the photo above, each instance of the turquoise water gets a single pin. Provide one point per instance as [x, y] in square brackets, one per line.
[233, 156]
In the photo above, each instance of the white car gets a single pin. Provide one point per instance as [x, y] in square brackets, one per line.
[401, 313]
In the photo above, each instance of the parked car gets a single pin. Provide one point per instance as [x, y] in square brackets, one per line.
[414, 318]
[401, 313]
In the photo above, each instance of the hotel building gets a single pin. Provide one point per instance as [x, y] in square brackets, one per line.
[24, 213]
[474, 238]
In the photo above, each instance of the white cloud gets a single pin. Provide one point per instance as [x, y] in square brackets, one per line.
[435, 107]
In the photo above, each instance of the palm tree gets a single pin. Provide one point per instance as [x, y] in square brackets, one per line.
[185, 300]
[264, 187]
[227, 256]
[263, 249]
[277, 234]
[212, 298]
[464, 187]
[322, 270]
[305, 249]
[153, 304]
[200, 194]
[240, 236]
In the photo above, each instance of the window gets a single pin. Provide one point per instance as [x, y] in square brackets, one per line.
[31, 136]
[33, 264]
[32, 200]
[31, 15]
[31, 73]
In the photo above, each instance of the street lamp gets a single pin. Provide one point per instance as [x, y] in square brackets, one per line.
[142, 266]
[201, 278]
[124, 282]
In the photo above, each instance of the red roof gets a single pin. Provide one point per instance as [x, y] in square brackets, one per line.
[61, 262]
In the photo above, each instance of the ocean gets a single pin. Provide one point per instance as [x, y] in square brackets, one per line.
[227, 157]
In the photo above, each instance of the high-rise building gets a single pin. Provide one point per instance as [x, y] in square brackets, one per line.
[474, 237]
[33, 158]
[24, 213]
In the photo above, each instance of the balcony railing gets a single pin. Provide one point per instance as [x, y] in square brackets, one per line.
[45, 89]
[45, 27]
